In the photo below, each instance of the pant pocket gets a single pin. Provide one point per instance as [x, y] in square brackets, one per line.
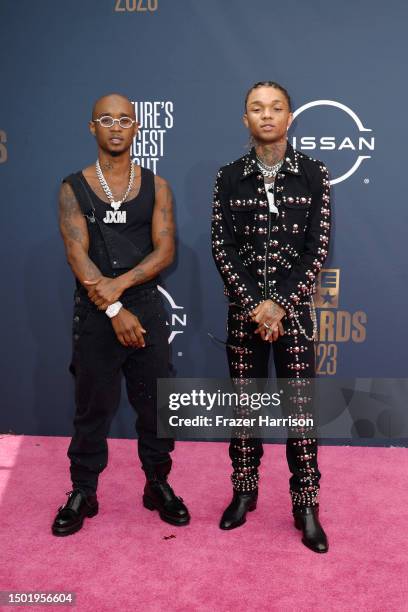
[81, 315]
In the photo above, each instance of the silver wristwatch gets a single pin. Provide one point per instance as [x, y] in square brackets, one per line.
[113, 309]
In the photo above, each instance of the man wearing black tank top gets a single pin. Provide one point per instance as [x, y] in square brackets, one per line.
[116, 220]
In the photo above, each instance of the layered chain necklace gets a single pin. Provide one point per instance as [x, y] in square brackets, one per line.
[115, 216]
[269, 171]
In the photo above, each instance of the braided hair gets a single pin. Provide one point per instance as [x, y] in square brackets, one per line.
[269, 84]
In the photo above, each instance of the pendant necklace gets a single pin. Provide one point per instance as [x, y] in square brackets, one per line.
[115, 215]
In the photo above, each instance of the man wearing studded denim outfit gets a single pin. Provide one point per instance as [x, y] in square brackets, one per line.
[269, 253]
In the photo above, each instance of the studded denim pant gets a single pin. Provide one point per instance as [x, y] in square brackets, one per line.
[294, 360]
[98, 362]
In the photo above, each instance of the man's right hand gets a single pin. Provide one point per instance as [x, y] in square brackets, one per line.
[128, 329]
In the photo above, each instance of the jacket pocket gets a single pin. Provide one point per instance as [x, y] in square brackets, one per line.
[244, 215]
[237, 205]
[295, 212]
[297, 202]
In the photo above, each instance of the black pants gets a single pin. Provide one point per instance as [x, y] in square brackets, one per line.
[98, 362]
[294, 360]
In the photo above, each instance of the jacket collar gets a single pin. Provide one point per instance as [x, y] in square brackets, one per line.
[290, 165]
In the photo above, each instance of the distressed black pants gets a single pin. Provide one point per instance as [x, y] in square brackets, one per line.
[98, 362]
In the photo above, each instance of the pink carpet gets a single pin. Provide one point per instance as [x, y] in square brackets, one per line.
[124, 558]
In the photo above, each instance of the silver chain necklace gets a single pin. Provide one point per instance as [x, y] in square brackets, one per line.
[269, 171]
[114, 203]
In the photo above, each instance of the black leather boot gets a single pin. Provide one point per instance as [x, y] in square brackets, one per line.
[158, 495]
[307, 520]
[235, 514]
[70, 517]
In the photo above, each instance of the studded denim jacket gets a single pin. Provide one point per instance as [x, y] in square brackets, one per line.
[261, 255]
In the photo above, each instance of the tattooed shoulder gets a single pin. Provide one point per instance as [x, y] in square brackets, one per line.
[160, 183]
[68, 203]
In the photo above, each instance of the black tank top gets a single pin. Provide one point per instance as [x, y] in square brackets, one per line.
[139, 213]
[124, 244]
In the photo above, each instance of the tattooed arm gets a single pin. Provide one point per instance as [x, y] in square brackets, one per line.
[74, 232]
[163, 230]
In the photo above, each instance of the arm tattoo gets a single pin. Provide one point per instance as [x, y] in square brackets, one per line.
[81, 265]
[139, 274]
[158, 184]
[91, 270]
[166, 208]
[68, 203]
[69, 208]
[164, 211]
[74, 233]
[155, 261]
